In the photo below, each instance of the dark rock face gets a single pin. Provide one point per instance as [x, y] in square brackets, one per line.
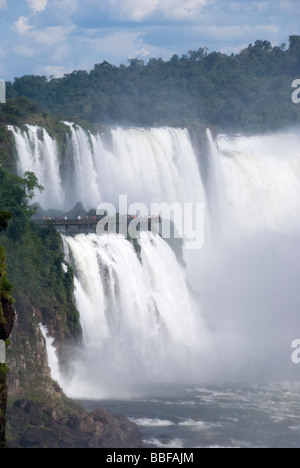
[29, 375]
[42, 416]
[7, 317]
[38, 425]
[3, 400]
[5, 329]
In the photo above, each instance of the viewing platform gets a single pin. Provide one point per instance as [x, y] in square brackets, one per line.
[89, 224]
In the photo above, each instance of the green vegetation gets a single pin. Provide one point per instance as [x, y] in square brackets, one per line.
[6, 148]
[6, 324]
[5, 286]
[19, 112]
[35, 256]
[249, 91]
[3, 371]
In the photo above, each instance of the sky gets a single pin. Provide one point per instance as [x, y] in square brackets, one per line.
[54, 37]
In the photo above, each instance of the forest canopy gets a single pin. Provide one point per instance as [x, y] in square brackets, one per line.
[250, 91]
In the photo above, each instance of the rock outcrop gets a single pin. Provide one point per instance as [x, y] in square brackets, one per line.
[40, 425]
[7, 315]
[39, 413]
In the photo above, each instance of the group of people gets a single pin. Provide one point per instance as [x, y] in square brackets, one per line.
[144, 218]
[79, 218]
[65, 218]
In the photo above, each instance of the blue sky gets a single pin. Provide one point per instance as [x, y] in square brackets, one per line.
[53, 37]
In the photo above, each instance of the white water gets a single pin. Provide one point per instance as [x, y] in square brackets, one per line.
[261, 177]
[141, 325]
[145, 164]
[38, 153]
[139, 322]
[248, 282]
[52, 356]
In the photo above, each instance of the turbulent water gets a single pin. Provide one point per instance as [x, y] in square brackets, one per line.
[240, 416]
[38, 153]
[144, 164]
[139, 322]
[261, 177]
[229, 317]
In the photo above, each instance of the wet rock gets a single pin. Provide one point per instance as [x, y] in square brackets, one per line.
[40, 425]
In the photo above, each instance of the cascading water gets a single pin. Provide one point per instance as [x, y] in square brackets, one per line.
[150, 166]
[135, 316]
[145, 164]
[38, 153]
[248, 282]
[262, 181]
[82, 176]
[139, 322]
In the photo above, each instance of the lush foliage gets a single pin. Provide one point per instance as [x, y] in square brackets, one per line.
[5, 286]
[34, 255]
[20, 111]
[248, 91]
[5, 216]
[6, 323]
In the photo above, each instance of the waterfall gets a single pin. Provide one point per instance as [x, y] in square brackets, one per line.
[145, 164]
[156, 165]
[38, 153]
[83, 174]
[248, 281]
[139, 322]
[259, 179]
[51, 352]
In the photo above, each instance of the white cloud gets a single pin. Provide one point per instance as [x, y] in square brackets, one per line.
[24, 51]
[3, 71]
[3, 52]
[287, 5]
[68, 6]
[235, 33]
[53, 35]
[38, 5]
[22, 27]
[182, 9]
[261, 6]
[61, 53]
[53, 70]
[137, 10]
[123, 44]
[234, 50]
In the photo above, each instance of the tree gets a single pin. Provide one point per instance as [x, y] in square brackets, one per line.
[5, 217]
[181, 91]
[294, 42]
[16, 194]
[30, 184]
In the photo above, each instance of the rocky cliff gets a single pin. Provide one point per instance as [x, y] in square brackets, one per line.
[43, 293]
[7, 315]
[39, 414]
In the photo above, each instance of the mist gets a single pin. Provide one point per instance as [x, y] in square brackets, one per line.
[247, 274]
[231, 313]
